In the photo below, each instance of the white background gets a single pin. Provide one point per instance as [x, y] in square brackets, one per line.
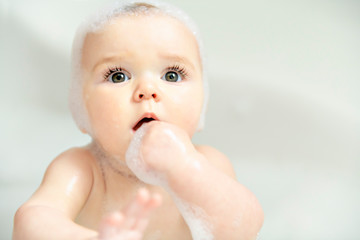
[284, 104]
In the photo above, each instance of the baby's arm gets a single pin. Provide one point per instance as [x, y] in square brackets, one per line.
[233, 211]
[50, 212]
[67, 183]
[202, 181]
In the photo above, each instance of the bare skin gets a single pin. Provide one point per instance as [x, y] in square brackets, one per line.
[91, 193]
[93, 220]
[132, 221]
[232, 212]
[54, 209]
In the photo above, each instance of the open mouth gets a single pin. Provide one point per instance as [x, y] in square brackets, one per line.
[145, 119]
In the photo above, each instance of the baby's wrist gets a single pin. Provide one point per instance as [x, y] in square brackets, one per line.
[192, 164]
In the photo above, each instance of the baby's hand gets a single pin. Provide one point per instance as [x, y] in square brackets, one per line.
[157, 149]
[131, 223]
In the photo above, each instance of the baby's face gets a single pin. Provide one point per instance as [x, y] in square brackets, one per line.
[136, 67]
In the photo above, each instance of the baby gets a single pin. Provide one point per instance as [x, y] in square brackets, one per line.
[139, 91]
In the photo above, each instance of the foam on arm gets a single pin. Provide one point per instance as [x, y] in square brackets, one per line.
[212, 202]
[232, 211]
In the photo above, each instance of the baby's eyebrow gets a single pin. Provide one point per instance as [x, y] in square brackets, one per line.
[105, 60]
[179, 59]
[174, 58]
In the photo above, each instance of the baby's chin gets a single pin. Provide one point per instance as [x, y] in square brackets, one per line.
[112, 141]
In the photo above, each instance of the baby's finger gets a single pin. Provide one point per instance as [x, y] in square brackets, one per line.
[155, 201]
[143, 220]
[136, 208]
[109, 225]
[141, 224]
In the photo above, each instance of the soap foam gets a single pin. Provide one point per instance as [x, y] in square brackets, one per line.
[195, 217]
[96, 22]
[136, 163]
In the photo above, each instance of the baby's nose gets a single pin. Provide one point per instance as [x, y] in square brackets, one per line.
[146, 91]
[147, 96]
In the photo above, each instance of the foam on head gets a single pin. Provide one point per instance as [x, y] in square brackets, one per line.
[96, 22]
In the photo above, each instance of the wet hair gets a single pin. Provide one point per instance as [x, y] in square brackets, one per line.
[98, 21]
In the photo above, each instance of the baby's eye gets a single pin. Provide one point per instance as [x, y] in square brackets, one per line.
[172, 76]
[116, 76]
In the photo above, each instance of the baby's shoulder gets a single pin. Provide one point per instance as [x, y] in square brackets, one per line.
[217, 158]
[77, 156]
[67, 182]
[78, 160]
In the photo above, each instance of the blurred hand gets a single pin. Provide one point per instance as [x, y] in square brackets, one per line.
[131, 222]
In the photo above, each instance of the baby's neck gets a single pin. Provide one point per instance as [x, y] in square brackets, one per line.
[119, 182]
[112, 166]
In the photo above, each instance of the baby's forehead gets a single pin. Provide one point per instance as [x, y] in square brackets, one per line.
[122, 32]
[156, 19]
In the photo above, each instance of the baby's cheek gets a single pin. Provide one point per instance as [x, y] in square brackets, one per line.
[107, 130]
[188, 110]
[188, 119]
[111, 142]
